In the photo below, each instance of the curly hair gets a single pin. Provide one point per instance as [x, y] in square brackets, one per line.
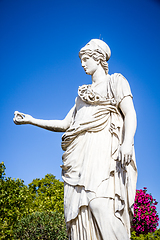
[97, 55]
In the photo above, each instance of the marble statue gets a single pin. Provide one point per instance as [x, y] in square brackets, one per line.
[99, 168]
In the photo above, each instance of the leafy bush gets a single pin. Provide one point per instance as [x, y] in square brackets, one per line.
[149, 236]
[145, 215]
[2, 170]
[14, 203]
[48, 194]
[18, 200]
[44, 225]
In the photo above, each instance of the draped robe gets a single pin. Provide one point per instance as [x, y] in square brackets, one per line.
[90, 162]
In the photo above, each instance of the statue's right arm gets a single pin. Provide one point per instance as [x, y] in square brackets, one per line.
[52, 125]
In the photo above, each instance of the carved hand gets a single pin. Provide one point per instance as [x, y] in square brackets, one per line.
[21, 118]
[125, 153]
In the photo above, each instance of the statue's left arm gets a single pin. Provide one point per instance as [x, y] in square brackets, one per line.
[130, 124]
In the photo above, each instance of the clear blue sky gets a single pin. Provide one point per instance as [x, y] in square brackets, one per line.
[40, 72]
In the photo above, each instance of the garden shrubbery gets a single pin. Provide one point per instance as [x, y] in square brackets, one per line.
[19, 203]
[41, 225]
[145, 215]
[15, 201]
[47, 194]
[149, 236]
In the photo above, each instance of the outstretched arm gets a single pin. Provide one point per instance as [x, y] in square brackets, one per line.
[130, 124]
[52, 125]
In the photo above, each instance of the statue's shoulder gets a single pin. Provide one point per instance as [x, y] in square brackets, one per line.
[117, 80]
[117, 77]
[119, 86]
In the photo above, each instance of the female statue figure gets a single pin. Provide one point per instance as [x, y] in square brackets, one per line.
[99, 169]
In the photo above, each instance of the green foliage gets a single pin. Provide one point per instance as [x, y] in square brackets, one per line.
[44, 225]
[48, 194]
[2, 170]
[149, 236]
[18, 200]
[14, 203]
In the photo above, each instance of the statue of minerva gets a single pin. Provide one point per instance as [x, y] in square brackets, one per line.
[99, 168]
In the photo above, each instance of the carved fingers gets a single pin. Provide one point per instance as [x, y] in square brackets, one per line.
[21, 118]
[127, 158]
[125, 154]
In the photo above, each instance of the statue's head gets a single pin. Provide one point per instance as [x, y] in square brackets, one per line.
[98, 50]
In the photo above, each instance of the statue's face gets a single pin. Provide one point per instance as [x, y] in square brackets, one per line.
[89, 64]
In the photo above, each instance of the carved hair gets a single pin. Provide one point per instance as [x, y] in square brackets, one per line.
[97, 56]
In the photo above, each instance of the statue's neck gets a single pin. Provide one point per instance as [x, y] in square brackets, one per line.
[98, 76]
